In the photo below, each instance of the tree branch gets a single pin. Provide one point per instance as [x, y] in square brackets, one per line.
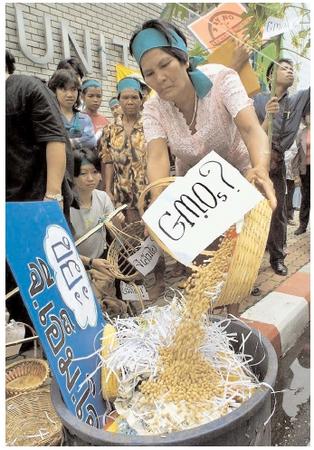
[292, 51]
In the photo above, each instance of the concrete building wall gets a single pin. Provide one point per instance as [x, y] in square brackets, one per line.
[110, 20]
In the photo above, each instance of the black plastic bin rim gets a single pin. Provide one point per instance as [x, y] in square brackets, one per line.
[226, 423]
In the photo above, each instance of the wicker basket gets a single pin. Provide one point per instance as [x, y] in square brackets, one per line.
[248, 253]
[163, 182]
[32, 421]
[125, 244]
[25, 375]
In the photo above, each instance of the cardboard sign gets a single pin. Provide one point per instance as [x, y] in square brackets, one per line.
[145, 259]
[197, 208]
[59, 300]
[274, 27]
[129, 293]
[224, 55]
[215, 27]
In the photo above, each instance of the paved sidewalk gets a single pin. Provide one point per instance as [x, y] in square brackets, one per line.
[298, 254]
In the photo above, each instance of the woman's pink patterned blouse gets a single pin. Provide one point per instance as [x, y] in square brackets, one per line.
[215, 128]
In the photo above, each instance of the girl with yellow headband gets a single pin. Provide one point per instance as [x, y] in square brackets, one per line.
[196, 110]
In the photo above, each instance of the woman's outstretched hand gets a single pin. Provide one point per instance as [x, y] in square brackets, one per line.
[260, 178]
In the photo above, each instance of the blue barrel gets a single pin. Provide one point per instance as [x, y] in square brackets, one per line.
[245, 426]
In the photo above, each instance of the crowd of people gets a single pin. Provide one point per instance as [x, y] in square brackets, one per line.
[60, 147]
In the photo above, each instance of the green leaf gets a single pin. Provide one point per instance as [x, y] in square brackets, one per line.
[173, 10]
[198, 50]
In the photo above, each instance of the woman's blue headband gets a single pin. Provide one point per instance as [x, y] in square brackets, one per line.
[150, 38]
[129, 83]
[90, 83]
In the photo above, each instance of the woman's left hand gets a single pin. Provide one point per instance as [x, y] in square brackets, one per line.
[260, 178]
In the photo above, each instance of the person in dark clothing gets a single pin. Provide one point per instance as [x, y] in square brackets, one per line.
[36, 157]
[304, 164]
[38, 166]
[288, 111]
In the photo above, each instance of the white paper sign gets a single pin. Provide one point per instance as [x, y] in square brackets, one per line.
[145, 259]
[129, 293]
[273, 27]
[197, 208]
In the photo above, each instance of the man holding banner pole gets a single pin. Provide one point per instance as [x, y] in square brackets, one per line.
[287, 113]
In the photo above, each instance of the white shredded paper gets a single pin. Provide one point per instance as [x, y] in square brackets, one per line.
[135, 360]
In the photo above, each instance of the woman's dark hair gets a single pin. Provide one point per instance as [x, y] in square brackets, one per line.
[163, 27]
[270, 68]
[81, 156]
[65, 79]
[72, 63]
[9, 62]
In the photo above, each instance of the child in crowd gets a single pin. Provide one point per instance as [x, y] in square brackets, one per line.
[94, 206]
[65, 84]
[91, 96]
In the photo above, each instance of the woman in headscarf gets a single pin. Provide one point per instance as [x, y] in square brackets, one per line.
[123, 151]
[196, 110]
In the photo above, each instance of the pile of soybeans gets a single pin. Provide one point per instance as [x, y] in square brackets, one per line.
[172, 368]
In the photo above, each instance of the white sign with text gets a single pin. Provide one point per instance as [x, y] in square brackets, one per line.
[145, 259]
[197, 208]
[274, 27]
[129, 294]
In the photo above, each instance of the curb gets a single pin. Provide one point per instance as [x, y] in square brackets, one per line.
[283, 314]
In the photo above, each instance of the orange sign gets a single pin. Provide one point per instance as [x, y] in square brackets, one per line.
[218, 25]
[224, 55]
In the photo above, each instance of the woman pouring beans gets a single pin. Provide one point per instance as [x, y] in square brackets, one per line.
[196, 110]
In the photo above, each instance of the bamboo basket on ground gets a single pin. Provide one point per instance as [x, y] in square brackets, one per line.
[31, 420]
[247, 255]
[25, 375]
[125, 244]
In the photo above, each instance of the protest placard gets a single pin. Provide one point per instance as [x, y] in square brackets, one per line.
[224, 55]
[129, 293]
[274, 27]
[60, 302]
[216, 30]
[146, 257]
[197, 208]
[215, 27]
